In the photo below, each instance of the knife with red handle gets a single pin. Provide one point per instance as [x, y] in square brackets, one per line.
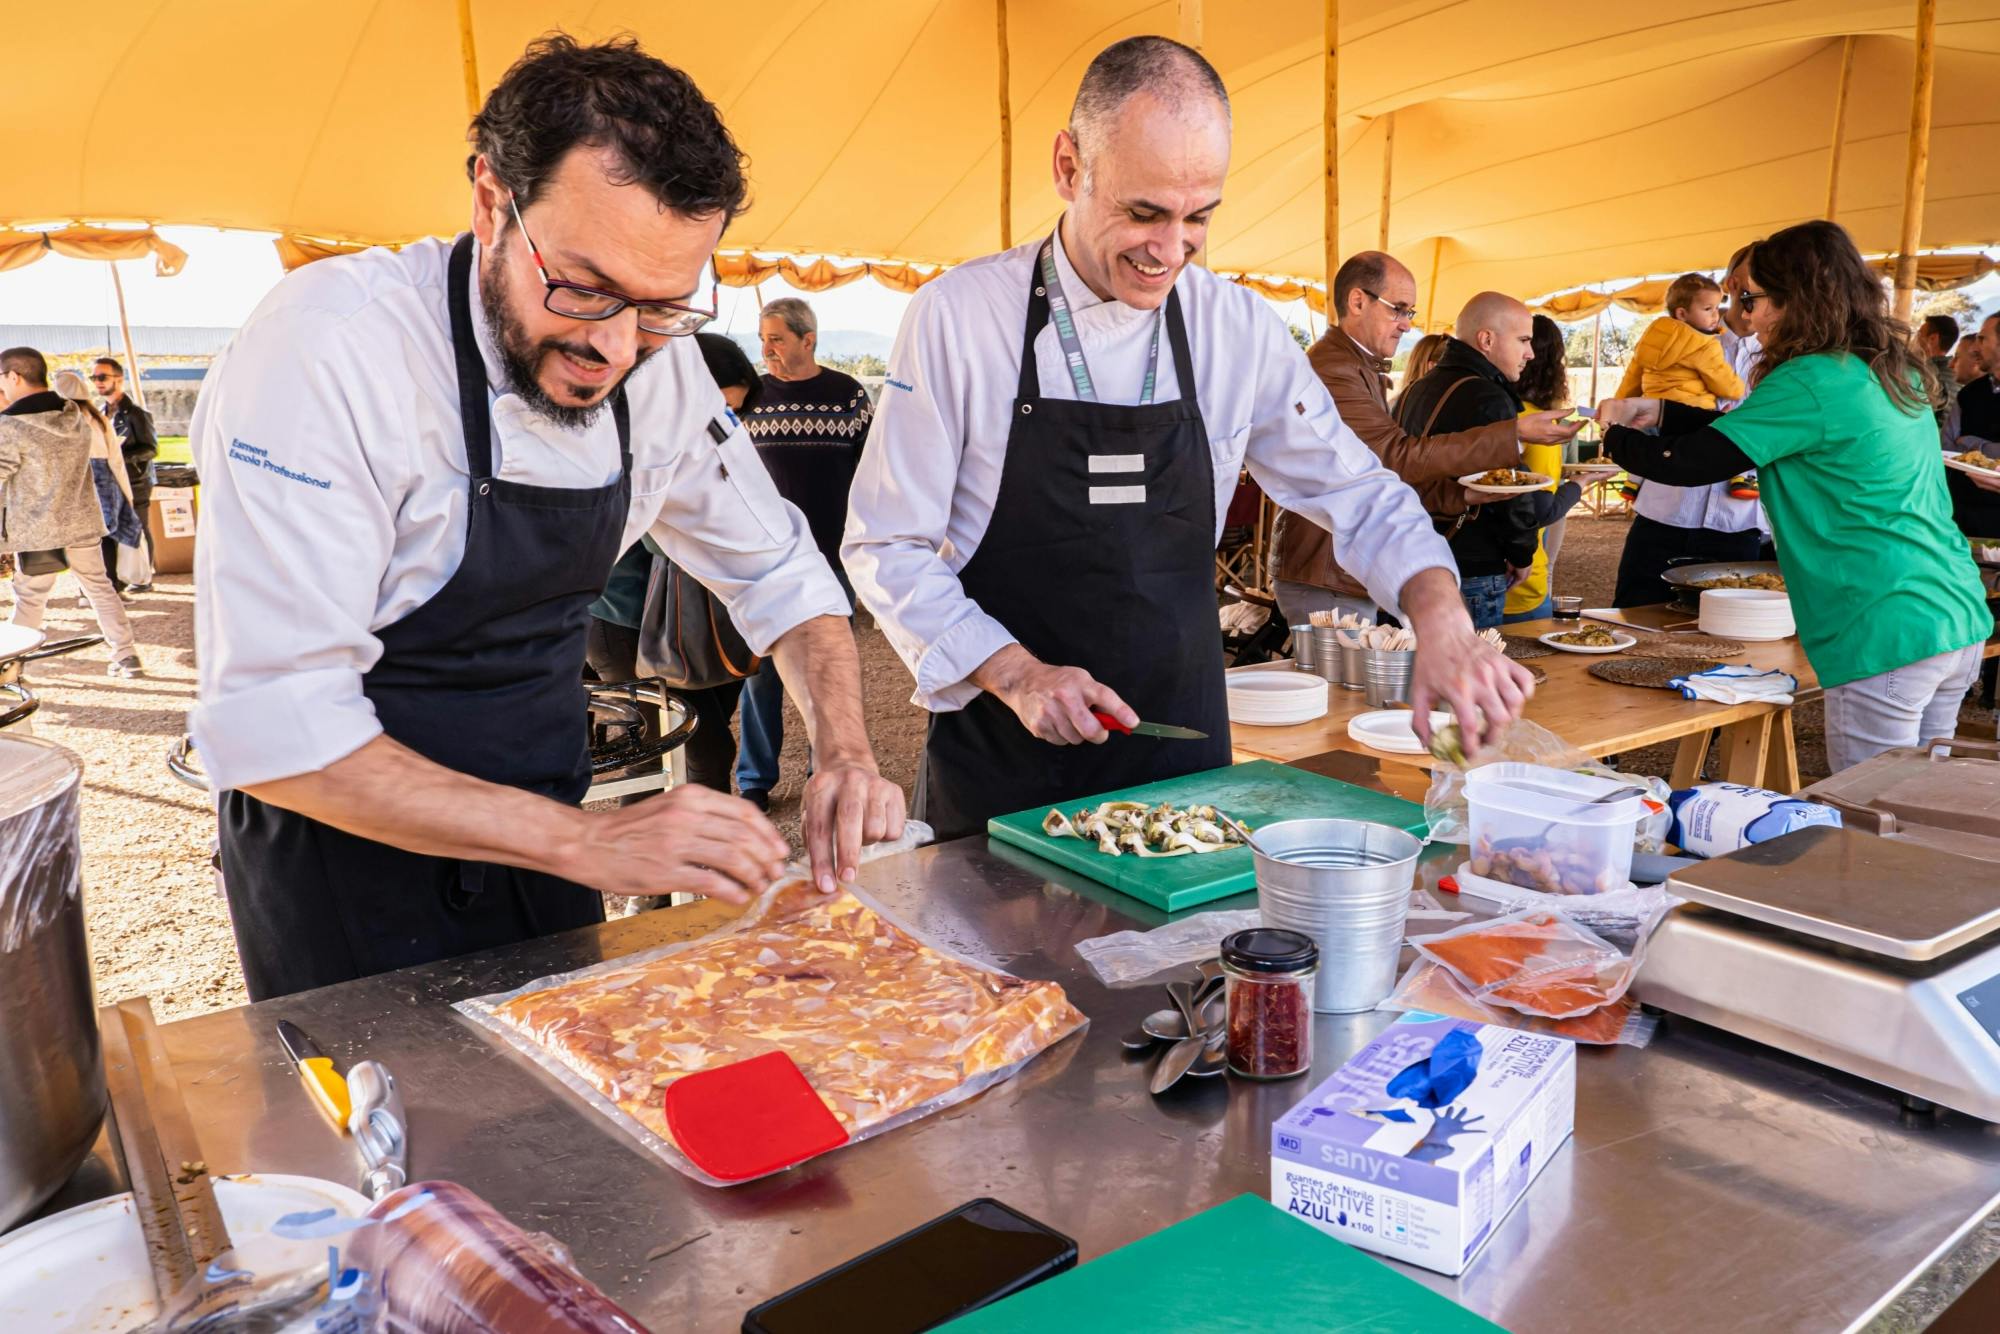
[1148, 729]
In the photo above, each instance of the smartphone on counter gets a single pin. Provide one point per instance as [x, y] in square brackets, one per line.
[970, 1257]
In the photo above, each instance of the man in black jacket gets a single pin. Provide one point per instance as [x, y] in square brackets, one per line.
[1472, 386]
[134, 425]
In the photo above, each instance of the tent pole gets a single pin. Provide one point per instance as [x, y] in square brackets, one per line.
[1920, 158]
[1006, 133]
[1596, 334]
[1191, 23]
[125, 328]
[1839, 125]
[1388, 171]
[1431, 301]
[468, 58]
[1330, 145]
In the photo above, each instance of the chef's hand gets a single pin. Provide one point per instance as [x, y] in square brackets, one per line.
[1548, 428]
[1641, 414]
[847, 805]
[1484, 689]
[686, 840]
[1052, 702]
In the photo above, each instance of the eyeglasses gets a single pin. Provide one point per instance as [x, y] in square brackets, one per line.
[671, 319]
[1402, 312]
[1748, 299]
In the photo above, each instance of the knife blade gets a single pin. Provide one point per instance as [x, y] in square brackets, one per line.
[1149, 729]
[323, 1084]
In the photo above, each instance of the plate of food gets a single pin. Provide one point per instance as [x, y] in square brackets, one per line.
[1588, 639]
[1505, 482]
[1972, 461]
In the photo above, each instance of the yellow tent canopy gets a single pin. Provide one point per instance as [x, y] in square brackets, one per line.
[1535, 147]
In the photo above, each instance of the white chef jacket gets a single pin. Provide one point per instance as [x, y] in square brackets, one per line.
[1710, 507]
[334, 486]
[929, 477]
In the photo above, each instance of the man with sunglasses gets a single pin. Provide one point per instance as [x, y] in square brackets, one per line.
[134, 426]
[1374, 305]
[418, 469]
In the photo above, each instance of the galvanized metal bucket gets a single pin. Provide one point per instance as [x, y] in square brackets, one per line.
[1345, 883]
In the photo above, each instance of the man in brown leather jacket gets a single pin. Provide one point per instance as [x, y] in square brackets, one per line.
[1374, 305]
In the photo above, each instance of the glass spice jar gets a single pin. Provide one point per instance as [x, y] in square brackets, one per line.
[1269, 980]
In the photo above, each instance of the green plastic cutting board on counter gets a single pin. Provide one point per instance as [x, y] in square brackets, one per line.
[1257, 793]
[1241, 1266]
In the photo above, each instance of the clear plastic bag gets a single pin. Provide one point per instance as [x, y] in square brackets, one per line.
[431, 1258]
[887, 1028]
[1525, 742]
[1132, 956]
[1536, 961]
[1429, 988]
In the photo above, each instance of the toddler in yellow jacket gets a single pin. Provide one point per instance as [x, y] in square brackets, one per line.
[1678, 357]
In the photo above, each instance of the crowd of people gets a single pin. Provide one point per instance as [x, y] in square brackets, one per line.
[419, 465]
[75, 492]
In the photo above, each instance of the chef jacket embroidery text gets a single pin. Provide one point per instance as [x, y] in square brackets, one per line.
[239, 452]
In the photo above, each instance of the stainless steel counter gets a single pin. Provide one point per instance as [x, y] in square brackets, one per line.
[1710, 1185]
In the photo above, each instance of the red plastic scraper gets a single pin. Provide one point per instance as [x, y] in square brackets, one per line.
[747, 1118]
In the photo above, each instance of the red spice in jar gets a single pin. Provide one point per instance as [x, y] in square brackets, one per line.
[1269, 1001]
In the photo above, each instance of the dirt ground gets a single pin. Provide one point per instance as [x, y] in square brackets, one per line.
[157, 925]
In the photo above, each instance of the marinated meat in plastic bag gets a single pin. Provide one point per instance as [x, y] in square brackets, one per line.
[1537, 962]
[881, 1024]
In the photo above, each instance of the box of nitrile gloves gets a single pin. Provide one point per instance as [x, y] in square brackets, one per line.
[1423, 1142]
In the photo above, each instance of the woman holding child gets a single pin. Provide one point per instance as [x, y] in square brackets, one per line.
[1889, 605]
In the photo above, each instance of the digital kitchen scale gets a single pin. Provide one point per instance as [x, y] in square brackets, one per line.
[1879, 956]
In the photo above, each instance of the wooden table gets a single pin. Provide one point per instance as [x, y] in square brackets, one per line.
[1602, 719]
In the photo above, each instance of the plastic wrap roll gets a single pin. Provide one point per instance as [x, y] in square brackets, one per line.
[450, 1263]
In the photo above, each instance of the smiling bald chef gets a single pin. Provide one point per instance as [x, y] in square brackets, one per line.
[1036, 513]
[417, 471]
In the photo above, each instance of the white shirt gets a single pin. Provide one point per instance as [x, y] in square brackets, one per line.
[1710, 507]
[930, 474]
[334, 484]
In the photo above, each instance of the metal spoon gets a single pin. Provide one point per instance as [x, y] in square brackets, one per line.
[1214, 1057]
[1164, 1026]
[1176, 1062]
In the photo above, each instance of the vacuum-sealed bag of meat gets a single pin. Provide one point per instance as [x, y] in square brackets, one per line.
[884, 1027]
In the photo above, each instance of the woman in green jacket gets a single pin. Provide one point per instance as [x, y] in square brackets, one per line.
[1889, 605]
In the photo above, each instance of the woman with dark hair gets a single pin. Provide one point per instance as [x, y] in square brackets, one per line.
[1543, 386]
[612, 649]
[1889, 605]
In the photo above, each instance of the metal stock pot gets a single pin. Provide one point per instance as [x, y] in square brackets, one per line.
[51, 1084]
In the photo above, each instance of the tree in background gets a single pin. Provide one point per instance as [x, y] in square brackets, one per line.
[857, 364]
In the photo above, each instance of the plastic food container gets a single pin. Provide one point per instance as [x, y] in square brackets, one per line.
[1532, 826]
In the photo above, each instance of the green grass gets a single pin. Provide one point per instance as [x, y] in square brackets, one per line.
[175, 449]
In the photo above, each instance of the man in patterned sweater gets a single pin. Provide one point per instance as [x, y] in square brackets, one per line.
[808, 425]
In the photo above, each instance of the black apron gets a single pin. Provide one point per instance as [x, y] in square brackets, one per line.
[1125, 591]
[485, 678]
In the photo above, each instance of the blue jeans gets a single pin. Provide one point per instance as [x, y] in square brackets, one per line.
[762, 723]
[1541, 613]
[1486, 598]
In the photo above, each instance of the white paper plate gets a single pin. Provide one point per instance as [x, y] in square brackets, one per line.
[1953, 463]
[83, 1270]
[18, 639]
[1392, 730]
[1554, 640]
[1471, 482]
[1759, 614]
[1276, 699]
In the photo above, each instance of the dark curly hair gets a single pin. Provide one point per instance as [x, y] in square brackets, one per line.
[1544, 381]
[1833, 302]
[665, 134]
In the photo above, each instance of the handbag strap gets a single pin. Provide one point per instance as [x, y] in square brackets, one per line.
[1443, 399]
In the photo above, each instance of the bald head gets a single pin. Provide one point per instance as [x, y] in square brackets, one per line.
[1501, 329]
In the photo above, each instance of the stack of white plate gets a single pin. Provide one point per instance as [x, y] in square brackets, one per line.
[1276, 699]
[1747, 613]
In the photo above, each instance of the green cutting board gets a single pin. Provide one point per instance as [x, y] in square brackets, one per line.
[1242, 1266]
[1256, 793]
